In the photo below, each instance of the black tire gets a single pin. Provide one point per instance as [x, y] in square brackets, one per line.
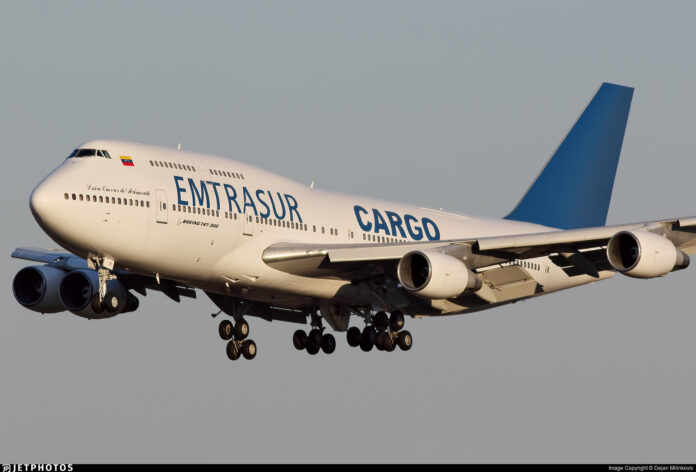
[366, 345]
[353, 336]
[380, 320]
[233, 350]
[314, 337]
[369, 334]
[241, 329]
[96, 306]
[226, 330]
[396, 320]
[379, 340]
[328, 343]
[312, 348]
[389, 342]
[113, 303]
[367, 339]
[299, 339]
[249, 349]
[405, 340]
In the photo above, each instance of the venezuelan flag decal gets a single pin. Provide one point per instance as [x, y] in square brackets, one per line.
[127, 161]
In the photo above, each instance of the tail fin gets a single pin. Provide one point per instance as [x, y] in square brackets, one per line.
[574, 189]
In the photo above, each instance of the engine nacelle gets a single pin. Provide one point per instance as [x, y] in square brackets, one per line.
[435, 275]
[36, 288]
[79, 293]
[643, 254]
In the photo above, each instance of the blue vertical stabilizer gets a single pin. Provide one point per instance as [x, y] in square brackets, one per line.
[574, 188]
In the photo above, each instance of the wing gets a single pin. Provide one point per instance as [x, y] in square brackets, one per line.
[578, 251]
[132, 281]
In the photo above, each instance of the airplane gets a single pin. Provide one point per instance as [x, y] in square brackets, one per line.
[132, 217]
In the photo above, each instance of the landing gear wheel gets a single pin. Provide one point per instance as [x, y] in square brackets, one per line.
[369, 334]
[380, 320]
[299, 339]
[380, 340]
[249, 349]
[314, 337]
[396, 320]
[353, 336]
[389, 342]
[328, 343]
[113, 303]
[405, 340]
[233, 350]
[312, 348]
[241, 329]
[226, 329]
[367, 340]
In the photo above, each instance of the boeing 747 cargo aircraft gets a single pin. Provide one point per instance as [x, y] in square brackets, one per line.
[132, 218]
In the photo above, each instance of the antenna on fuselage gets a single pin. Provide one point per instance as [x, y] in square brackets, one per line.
[311, 185]
[178, 148]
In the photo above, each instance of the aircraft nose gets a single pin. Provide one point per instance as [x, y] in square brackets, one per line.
[39, 202]
[44, 201]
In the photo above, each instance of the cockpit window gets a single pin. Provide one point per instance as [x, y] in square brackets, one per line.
[85, 152]
[89, 153]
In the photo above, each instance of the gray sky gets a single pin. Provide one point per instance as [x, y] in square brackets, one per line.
[443, 104]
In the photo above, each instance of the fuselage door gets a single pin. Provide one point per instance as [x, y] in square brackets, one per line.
[161, 197]
[248, 225]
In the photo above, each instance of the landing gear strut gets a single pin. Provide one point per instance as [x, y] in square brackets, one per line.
[104, 266]
[384, 333]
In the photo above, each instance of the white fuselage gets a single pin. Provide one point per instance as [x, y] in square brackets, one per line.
[206, 220]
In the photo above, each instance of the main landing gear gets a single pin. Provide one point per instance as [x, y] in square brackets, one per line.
[316, 339]
[236, 334]
[385, 333]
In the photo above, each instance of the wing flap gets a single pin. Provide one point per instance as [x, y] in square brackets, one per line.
[506, 283]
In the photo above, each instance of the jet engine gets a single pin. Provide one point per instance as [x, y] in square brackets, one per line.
[36, 288]
[643, 254]
[79, 292]
[432, 274]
